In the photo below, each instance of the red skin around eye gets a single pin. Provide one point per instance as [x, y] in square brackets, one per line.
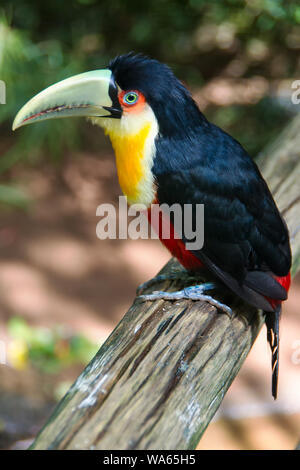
[132, 108]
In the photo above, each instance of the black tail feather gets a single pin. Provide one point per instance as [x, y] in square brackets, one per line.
[272, 323]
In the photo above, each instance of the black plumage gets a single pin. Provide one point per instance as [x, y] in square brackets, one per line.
[246, 241]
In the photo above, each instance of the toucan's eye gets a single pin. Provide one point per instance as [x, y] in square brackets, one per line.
[131, 97]
[132, 101]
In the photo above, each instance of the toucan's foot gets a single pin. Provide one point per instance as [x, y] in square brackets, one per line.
[171, 276]
[191, 293]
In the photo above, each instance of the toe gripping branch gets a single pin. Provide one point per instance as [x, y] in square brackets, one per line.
[194, 292]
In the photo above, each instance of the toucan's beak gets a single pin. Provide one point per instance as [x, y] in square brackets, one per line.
[87, 94]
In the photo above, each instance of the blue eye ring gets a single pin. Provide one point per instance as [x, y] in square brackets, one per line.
[130, 98]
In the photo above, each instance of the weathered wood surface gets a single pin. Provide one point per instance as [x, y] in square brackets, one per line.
[159, 378]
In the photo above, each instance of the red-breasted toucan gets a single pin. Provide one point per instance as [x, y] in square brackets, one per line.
[168, 152]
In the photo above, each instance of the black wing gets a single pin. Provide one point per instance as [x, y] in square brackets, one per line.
[246, 241]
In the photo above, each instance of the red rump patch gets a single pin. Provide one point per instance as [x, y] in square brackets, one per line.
[285, 282]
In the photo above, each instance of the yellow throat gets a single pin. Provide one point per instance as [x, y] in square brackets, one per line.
[132, 138]
[130, 156]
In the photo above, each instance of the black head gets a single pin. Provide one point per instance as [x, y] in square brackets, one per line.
[170, 101]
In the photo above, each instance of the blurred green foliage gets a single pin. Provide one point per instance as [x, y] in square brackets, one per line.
[42, 42]
[48, 350]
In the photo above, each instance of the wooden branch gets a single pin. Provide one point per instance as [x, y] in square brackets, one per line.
[161, 375]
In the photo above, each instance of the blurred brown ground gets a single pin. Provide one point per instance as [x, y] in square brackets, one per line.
[54, 270]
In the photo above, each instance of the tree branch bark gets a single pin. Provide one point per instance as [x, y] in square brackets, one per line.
[161, 375]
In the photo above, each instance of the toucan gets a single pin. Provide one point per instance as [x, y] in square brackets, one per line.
[167, 152]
